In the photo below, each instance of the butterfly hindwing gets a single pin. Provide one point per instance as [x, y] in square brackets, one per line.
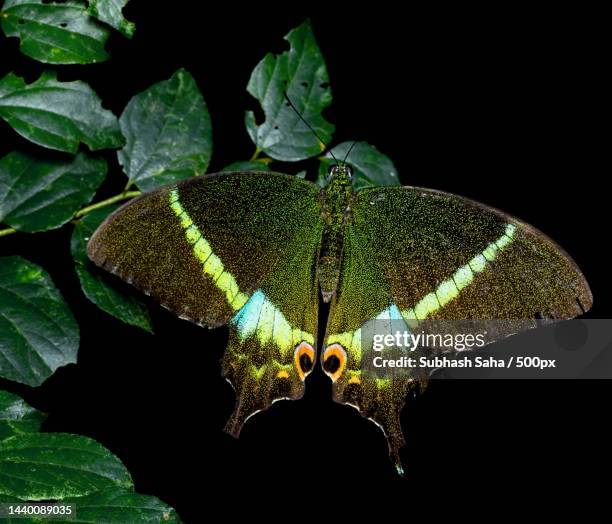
[271, 349]
[234, 247]
[414, 255]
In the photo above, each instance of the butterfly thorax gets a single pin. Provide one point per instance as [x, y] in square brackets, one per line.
[336, 199]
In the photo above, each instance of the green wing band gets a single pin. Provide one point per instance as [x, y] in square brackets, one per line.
[449, 289]
[211, 263]
[256, 315]
[446, 291]
[261, 318]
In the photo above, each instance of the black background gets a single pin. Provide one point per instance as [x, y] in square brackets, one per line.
[502, 107]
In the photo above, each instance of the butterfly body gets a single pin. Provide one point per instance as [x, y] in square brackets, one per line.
[336, 204]
[253, 250]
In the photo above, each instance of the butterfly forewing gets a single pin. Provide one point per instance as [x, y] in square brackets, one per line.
[234, 247]
[479, 262]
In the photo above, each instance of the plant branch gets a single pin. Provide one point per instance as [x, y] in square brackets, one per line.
[125, 195]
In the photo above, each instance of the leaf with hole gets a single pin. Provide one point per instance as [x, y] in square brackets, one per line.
[168, 133]
[38, 333]
[38, 194]
[55, 33]
[17, 417]
[370, 167]
[96, 284]
[58, 115]
[110, 12]
[302, 74]
[43, 466]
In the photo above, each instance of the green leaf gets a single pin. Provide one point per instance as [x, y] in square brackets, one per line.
[58, 115]
[115, 505]
[96, 285]
[168, 133]
[41, 194]
[17, 417]
[55, 33]
[38, 333]
[110, 506]
[6, 498]
[43, 466]
[302, 73]
[109, 12]
[370, 167]
[249, 165]
[68, 468]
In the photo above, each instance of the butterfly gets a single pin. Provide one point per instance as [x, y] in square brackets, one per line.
[256, 250]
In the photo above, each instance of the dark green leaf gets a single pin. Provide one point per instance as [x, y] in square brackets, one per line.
[68, 468]
[17, 417]
[302, 73]
[55, 33]
[116, 505]
[370, 167]
[249, 165]
[110, 506]
[43, 466]
[6, 498]
[168, 133]
[96, 284]
[109, 12]
[58, 115]
[38, 334]
[37, 194]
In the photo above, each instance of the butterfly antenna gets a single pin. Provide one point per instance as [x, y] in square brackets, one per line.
[349, 152]
[308, 125]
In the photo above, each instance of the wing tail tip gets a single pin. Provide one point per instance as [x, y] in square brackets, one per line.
[233, 427]
[397, 463]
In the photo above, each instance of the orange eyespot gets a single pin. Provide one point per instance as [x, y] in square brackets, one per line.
[334, 361]
[304, 359]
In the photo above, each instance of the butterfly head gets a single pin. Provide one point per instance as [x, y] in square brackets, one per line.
[340, 172]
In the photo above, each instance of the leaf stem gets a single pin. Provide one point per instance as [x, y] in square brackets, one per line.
[255, 155]
[125, 195]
